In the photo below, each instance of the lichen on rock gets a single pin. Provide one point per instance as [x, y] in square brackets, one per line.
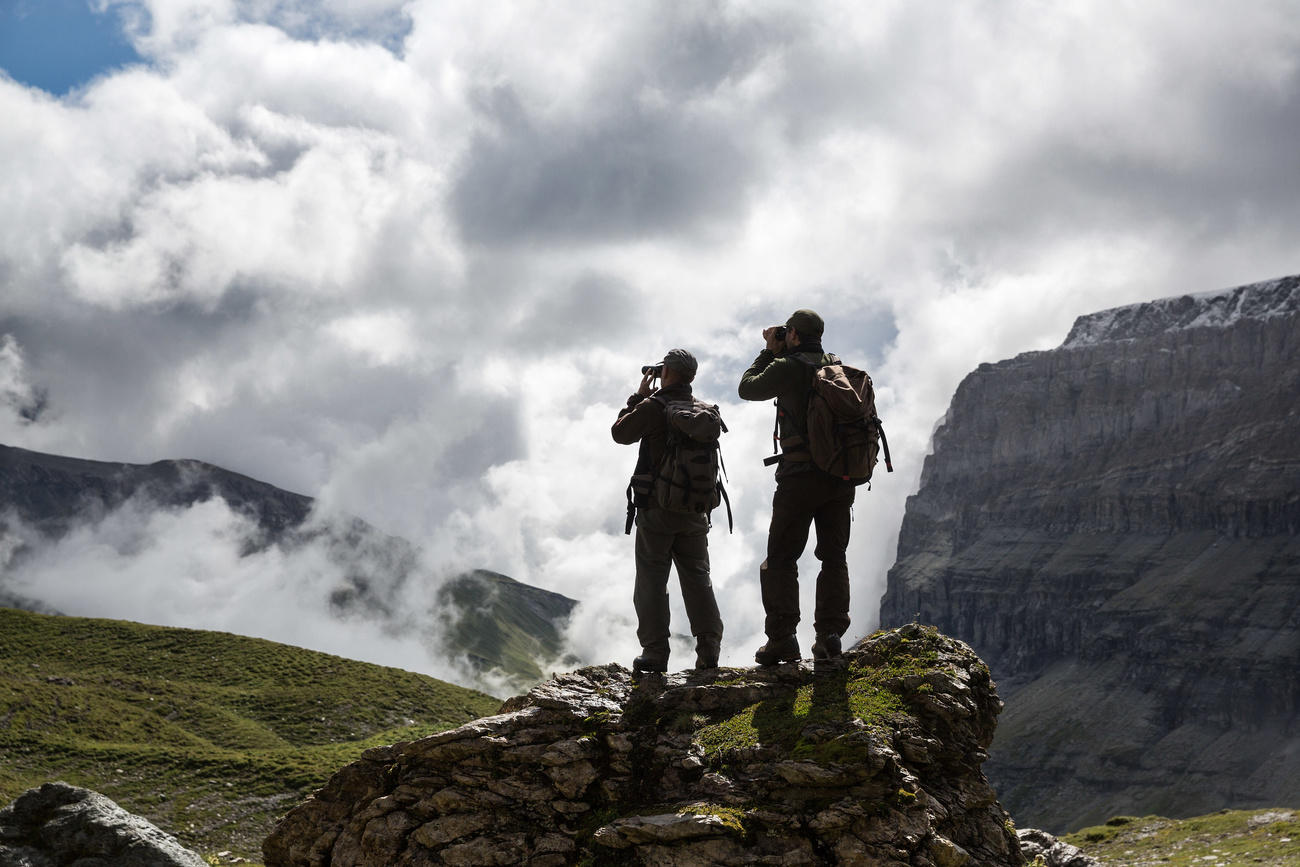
[874, 759]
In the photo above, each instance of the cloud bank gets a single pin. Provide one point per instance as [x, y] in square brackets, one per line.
[408, 257]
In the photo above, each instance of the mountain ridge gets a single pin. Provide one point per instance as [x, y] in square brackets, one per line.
[508, 629]
[1217, 308]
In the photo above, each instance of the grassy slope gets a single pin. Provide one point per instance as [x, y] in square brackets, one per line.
[1270, 838]
[505, 623]
[210, 735]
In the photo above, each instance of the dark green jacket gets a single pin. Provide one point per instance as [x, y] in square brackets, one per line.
[788, 381]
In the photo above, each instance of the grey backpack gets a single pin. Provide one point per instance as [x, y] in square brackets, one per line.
[687, 479]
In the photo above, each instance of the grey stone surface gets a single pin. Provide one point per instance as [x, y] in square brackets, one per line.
[58, 824]
[1036, 844]
[1114, 526]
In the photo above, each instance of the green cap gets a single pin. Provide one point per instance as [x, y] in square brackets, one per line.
[680, 359]
[806, 322]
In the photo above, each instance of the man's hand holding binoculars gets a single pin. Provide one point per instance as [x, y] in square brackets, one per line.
[774, 335]
[649, 374]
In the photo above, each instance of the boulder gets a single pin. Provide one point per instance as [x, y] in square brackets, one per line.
[1040, 847]
[58, 824]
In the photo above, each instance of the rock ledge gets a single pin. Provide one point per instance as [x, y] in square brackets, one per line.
[875, 759]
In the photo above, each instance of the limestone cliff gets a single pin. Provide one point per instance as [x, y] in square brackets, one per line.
[875, 760]
[1113, 526]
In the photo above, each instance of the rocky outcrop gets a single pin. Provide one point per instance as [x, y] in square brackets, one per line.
[58, 824]
[1041, 849]
[873, 760]
[1113, 526]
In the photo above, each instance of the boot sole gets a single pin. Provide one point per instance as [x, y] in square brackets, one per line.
[780, 661]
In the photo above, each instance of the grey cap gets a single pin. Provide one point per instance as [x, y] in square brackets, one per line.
[680, 359]
[806, 322]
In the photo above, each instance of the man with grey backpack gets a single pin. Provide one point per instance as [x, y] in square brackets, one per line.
[674, 489]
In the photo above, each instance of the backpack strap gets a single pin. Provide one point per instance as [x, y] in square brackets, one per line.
[776, 436]
[884, 445]
[643, 484]
[731, 526]
[631, 512]
[640, 484]
[722, 491]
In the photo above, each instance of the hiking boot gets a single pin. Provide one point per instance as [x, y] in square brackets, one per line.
[778, 650]
[826, 647]
[646, 662]
[706, 651]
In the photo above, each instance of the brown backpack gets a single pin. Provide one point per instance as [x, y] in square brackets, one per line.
[844, 434]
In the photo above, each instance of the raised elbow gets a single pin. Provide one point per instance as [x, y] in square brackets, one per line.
[749, 390]
[622, 434]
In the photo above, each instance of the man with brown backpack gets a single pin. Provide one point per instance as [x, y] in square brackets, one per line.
[830, 437]
[673, 490]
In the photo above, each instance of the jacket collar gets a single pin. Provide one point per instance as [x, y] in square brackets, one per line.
[681, 391]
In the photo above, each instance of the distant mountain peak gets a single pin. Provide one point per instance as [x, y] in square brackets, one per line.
[1217, 309]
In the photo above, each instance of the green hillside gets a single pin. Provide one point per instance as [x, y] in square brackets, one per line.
[1258, 838]
[210, 735]
[498, 622]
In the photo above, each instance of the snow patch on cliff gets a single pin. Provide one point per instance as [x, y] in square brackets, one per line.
[1217, 309]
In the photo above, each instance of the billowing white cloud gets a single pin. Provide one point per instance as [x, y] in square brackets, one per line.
[17, 395]
[408, 257]
[190, 568]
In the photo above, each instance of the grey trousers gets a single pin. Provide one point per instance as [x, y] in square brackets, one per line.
[664, 539]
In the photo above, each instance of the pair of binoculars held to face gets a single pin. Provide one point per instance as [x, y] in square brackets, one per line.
[656, 370]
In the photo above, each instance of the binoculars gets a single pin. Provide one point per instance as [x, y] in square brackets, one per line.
[653, 369]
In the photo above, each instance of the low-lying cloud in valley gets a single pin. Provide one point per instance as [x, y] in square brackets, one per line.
[408, 257]
[208, 566]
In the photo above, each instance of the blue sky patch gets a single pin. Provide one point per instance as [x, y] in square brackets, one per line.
[57, 45]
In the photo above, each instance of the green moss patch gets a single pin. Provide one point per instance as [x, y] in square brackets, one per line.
[732, 818]
[870, 687]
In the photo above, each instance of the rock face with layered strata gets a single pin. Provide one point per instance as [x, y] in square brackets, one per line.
[1113, 526]
[872, 761]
